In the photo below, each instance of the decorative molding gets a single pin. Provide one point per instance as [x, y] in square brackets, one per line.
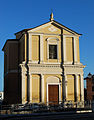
[49, 34]
[52, 29]
[52, 38]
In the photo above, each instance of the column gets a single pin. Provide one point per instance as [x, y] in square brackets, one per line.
[30, 92]
[82, 87]
[23, 91]
[42, 88]
[64, 49]
[41, 48]
[58, 50]
[65, 87]
[30, 48]
[76, 87]
[75, 50]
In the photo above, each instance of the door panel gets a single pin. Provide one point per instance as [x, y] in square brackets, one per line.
[53, 94]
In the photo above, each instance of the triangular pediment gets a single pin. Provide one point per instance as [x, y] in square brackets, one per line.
[53, 27]
[48, 28]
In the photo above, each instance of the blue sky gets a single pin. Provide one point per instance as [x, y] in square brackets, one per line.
[78, 15]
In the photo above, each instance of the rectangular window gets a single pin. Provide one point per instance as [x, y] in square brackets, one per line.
[92, 79]
[52, 51]
[92, 88]
[92, 97]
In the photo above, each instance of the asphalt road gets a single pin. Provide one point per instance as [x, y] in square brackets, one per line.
[55, 116]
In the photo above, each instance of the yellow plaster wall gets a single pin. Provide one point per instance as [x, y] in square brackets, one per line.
[69, 49]
[45, 48]
[35, 47]
[70, 87]
[35, 88]
[45, 85]
[45, 29]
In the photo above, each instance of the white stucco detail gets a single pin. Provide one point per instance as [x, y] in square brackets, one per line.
[75, 49]
[65, 87]
[41, 49]
[82, 88]
[23, 88]
[76, 86]
[30, 77]
[30, 47]
[64, 49]
[52, 29]
[42, 87]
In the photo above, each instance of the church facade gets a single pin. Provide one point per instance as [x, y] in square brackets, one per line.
[43, 65]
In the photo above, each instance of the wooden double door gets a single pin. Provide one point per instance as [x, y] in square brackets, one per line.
[53, 94]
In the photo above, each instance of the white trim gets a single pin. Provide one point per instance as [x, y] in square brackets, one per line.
[52, 38]
[75, 49]
[64, 49]
[76, 85]
[66, 35]
[65, 86]
[35, 62]
[68, 62]
[45, 72]
[30, 75]
[37, 33]
[55, 63]
[52, 41]
[30, 47]
[82, 87]
[23, 88]
[42, 86]
[41, 48]
[59, 90]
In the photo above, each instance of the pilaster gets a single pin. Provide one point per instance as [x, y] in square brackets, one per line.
[75, 49]
[64, 49]
[30, 80]
[23, 91]
[76, 87]
[42, 88]
[41, 48]
[30, 47]
[82, 88]
[65, 87]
